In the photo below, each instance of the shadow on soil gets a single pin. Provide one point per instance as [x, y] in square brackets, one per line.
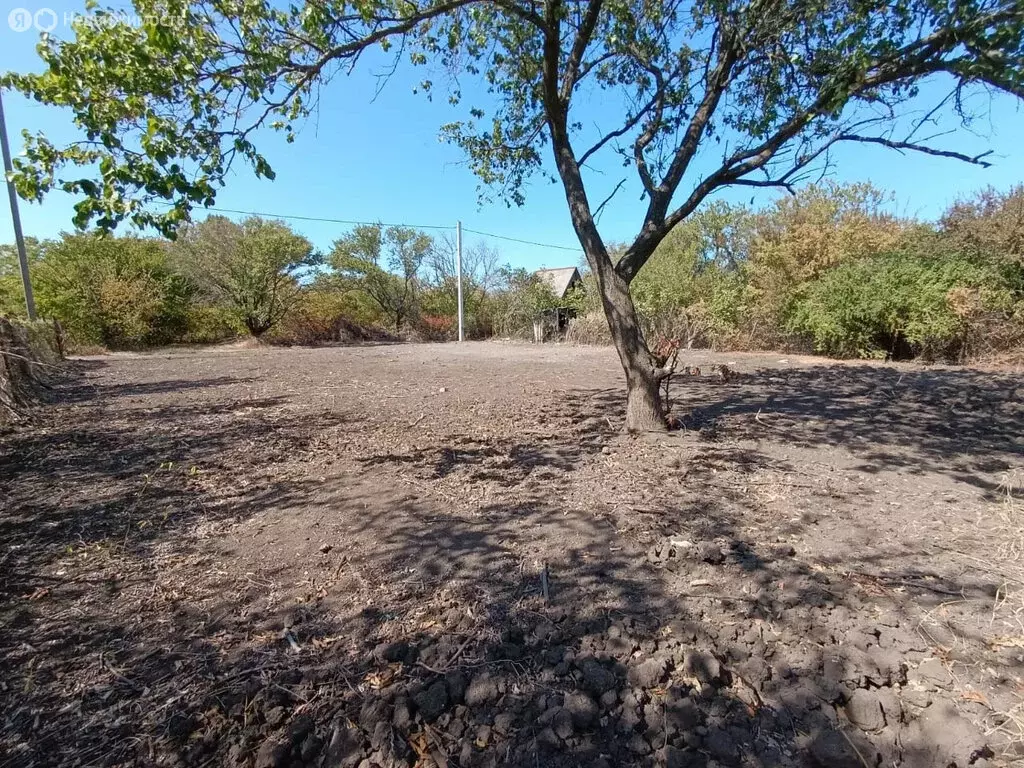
[128, 643]
[957, 422]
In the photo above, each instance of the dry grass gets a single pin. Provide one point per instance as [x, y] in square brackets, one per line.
[87, 350]
[1011, 491]
[1008, 605]
[1011, 361]
[28, 356]
[591, 328]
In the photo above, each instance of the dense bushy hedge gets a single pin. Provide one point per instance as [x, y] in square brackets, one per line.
[831, 270]
[900, 305]
[112, 292]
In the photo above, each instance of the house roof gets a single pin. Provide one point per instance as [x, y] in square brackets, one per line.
[559, 280]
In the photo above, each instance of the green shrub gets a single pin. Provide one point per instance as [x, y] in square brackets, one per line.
[118, 292]
[327, 313]
[521, 301]
[899, 305]
[12, 293]
[829, 269]
[688, 291]
[210, 324]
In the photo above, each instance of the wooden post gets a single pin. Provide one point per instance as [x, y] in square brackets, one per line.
[458, 273]
[19, 237]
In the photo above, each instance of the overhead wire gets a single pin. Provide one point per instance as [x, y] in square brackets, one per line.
[577, 249]
[297, 217]
[353, 222]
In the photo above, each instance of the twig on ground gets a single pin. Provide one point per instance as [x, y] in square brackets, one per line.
[854, 748]
[291, 693]
[447, 666]
[750, 686]
[717, 596]
[458, 651]
[29, 360]
[929, 587]
[116, 673]
[438, 752]
[987, 563]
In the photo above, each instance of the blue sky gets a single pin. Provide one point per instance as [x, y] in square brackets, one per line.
[376, 157]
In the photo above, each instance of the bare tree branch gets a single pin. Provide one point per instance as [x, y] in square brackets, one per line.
[597, 211]
[579, 47]
[716, 86]
[629, 125]
[915, 59]
[914, 147]
[651, 129]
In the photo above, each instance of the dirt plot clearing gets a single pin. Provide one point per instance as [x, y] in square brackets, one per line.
[339, 557]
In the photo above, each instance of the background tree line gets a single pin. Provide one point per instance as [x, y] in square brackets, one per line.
[829, 269]
[221, 280]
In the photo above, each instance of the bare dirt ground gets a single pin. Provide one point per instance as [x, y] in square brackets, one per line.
[443, 555]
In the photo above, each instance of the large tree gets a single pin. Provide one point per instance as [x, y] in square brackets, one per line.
[252, 268]
[385, 264]
[758, 90]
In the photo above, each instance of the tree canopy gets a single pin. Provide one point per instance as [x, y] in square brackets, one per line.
[115, 292]
[386, 264]
[253, 267]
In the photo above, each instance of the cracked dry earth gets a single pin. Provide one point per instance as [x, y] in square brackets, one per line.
[443, 555]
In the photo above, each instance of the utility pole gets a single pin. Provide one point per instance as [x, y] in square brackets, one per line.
[19, 237]
[458, 272]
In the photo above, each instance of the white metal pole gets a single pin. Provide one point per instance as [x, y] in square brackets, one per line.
[458, 272]
[19, 237]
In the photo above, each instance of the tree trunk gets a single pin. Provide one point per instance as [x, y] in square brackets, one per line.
[645, 411]
[256, 327]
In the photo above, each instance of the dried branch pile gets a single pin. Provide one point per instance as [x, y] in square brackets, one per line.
[25, 356]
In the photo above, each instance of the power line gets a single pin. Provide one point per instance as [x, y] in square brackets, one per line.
[321, 219]
[524, 242]
[377, 223]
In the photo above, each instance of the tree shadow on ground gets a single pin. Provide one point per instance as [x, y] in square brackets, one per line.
[499, 461]
[76, 385]
[414, 631]
[959, 422]
[438, 647]
[128, 480]
[462, 662]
